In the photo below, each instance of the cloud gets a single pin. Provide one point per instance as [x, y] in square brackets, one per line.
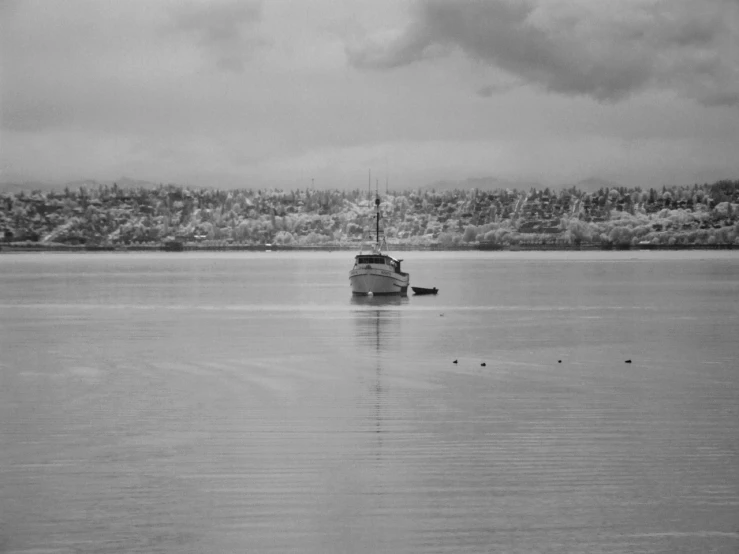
[188, 92]
[489, 90]
[226, 30]
[601, 49]
[389, 50]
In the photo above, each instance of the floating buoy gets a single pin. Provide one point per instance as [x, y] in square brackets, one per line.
[559, 361]
[370, 293]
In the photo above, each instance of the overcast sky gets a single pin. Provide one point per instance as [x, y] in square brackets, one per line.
[276, 93]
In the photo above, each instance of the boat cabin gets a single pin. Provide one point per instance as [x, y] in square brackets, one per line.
[378, 259]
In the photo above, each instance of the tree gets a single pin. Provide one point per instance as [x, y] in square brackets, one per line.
[446, 239]
[579, 231]
[620, 236]
[470, 234]
[283, 237]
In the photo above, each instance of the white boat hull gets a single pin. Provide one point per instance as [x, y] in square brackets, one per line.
[378, 282]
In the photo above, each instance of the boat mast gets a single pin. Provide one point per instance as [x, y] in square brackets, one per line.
[377, 209]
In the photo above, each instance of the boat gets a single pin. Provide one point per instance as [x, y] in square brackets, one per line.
[421, 290]
[376, 272]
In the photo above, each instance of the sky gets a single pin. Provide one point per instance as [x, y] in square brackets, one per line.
[289, 94]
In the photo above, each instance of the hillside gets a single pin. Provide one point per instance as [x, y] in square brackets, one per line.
[110, 216]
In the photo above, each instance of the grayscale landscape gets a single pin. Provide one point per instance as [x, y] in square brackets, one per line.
[413, 276]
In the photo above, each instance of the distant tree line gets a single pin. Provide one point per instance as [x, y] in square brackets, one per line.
[111, 215]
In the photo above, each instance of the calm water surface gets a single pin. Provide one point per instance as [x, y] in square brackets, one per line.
[246, 403]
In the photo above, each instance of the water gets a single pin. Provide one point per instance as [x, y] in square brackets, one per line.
[246, 403]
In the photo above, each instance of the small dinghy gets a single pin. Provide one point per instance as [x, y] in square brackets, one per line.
[421, 290]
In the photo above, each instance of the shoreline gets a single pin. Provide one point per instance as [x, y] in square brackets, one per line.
[7, 248]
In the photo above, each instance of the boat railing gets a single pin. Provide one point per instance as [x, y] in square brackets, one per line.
[375, 247]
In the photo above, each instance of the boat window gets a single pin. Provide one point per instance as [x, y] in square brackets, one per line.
[361, 260]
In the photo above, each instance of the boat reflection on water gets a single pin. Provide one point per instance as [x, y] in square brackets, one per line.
[378, 336]
[378, 323]
[379, 301]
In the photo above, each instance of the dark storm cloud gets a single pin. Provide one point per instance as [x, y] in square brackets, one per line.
[225, 30]
[605, 50]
